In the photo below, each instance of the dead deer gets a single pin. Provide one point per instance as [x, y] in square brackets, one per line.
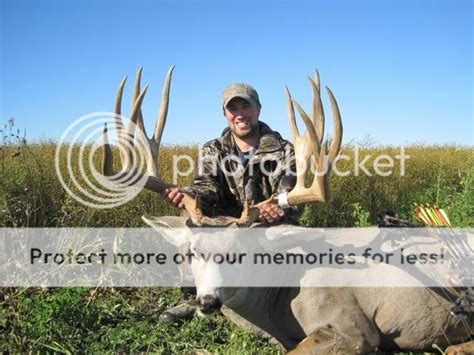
[306, 320]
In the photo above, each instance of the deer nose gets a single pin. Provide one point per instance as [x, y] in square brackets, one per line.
[209, 304]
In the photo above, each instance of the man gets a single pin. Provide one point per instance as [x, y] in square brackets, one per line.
[249, 162]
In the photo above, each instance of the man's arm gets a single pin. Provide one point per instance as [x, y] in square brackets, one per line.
[205, 183]
[283, 179]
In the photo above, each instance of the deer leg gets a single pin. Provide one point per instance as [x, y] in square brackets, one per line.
[327, 340]
[461, 349]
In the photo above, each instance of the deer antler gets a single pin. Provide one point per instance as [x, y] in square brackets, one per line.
[310, 145]
[148, 147]
[310, 149]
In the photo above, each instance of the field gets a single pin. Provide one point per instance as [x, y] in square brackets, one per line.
[79, 319]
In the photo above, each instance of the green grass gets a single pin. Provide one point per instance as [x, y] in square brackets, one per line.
[111, 320]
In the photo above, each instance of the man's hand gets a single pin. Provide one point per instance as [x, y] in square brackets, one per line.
[270, 213]
[173, 197]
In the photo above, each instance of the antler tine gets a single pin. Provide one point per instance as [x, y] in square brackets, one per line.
[295, 134]
[138, 119]
[312, 135]
[317, 79]
[145, 145]
[337, 138]
[318, 110]
[118, 105]
[107, 155]
[163, 113]
[136, 92]
[118, 117]
[302, 150]
[136, 86]
[320, 186]
[137, 106]
[130, 134]
[150, 146]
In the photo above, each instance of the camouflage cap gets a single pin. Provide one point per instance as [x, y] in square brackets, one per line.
[244, 91]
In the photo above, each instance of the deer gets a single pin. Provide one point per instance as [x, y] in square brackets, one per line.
[301, 320]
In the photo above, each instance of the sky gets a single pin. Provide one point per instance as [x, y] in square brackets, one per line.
[401, 71]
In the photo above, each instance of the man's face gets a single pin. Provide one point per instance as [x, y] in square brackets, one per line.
[242, 117]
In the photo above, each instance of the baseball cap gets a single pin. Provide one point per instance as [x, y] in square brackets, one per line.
[242, 90]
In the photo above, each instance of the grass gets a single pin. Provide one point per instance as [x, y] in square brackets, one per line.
[112, 320]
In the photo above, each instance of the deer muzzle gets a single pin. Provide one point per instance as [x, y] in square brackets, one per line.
[209, 304]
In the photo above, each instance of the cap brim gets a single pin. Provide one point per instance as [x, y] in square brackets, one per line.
[245, 97]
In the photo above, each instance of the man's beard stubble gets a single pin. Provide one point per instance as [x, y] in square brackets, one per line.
[254, 131]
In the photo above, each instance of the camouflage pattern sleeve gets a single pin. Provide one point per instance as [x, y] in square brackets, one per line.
[207, 182]
[284, 179]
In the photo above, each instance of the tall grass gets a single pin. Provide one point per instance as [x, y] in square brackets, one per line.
[440, 175]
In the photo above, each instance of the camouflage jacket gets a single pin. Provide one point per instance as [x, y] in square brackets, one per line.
[224, 181]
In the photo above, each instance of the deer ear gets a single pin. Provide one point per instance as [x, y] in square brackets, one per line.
[172, 228]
